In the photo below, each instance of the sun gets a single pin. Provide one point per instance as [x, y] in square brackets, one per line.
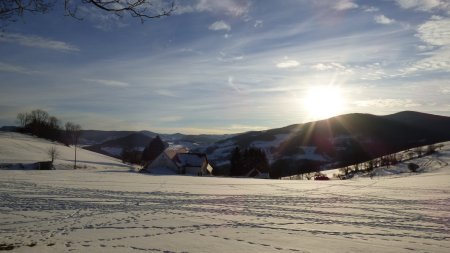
[323, 102]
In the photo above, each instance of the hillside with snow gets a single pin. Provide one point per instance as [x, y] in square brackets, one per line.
[22, 151]
[337, 141]
[110, 209]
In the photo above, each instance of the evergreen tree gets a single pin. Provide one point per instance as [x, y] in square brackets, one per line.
[153, 150]
[247, 160]
[236, 162]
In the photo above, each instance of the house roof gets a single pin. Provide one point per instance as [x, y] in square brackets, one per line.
[171, 152]
[190, 159]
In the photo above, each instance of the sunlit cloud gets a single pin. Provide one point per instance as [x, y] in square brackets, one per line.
[228, 7]
[165, 92]
[287, 64]
[371, 9]
[220, 25]
[5, 67]
[345, 5]
[100, 19]
[435, 33]
[388, 102]
[37, 42]
[258, 23]
[224, 57]
[424, 5]
[173, 118]
[382, 19]
[111, 83]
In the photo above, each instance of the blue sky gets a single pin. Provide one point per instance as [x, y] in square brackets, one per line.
[227, 66]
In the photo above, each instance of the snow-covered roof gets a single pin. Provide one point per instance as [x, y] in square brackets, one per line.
[190, 159]
[172, 151]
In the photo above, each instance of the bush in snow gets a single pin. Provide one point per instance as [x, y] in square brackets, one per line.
[413, 167]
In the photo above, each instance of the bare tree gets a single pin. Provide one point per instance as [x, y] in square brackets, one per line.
[23, 119]
[53, 153]
[142, 9]
[419, 151]
[73, 132]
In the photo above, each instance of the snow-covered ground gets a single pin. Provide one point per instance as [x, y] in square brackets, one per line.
[19, 150]
[114, 210]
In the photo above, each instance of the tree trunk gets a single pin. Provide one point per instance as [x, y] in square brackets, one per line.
[75, 165]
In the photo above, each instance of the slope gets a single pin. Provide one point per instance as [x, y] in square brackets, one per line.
[20, 150]
[340, 140]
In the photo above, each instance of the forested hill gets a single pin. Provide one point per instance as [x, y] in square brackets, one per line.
[342, 139]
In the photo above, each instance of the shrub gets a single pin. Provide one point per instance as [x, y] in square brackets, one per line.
[413, 167]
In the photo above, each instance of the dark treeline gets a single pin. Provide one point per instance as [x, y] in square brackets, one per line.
[242, 162]
[154, 148]
[41, 124]
[288, 167]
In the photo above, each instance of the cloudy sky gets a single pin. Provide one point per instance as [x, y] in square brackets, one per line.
[226, 66]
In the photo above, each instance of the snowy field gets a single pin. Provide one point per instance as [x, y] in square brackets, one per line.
[110, 209]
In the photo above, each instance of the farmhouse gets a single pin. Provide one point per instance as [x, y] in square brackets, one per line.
[180, 161]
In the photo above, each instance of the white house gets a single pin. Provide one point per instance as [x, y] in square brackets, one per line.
[179, 161]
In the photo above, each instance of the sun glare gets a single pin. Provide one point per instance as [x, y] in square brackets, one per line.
[323, 102]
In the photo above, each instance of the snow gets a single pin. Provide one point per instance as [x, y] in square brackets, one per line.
[309, 154]
[16, 148]
[114, 151]
[109, 209]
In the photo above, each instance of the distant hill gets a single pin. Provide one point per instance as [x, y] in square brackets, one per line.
[341, 140]
[114, 147]
[92, 137]
[112, 142]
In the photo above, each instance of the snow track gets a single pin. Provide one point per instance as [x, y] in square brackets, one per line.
[186, 214]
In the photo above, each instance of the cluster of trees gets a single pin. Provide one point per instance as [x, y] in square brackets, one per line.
[131, 155]
[288, 167]
[389, 160]
[242, 162]
[41, 124]
[155, 147]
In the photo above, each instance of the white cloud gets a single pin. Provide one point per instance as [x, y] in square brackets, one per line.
[233, 85]
[37, 41]
[345, 5]
[387, 103]
[287, 64]
[435, 32]
[224, 57]
[424, 5]
[371, 9]
[165, 92]
[5, 67]
[382, 19]
[228, 7]
[100, 19]
[111, 83]
[220, 25]
[425, 47]
[258, 23]
[239, 128]
[332, 66]
[172, 118]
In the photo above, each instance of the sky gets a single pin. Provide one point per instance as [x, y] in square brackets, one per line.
[228, 66]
